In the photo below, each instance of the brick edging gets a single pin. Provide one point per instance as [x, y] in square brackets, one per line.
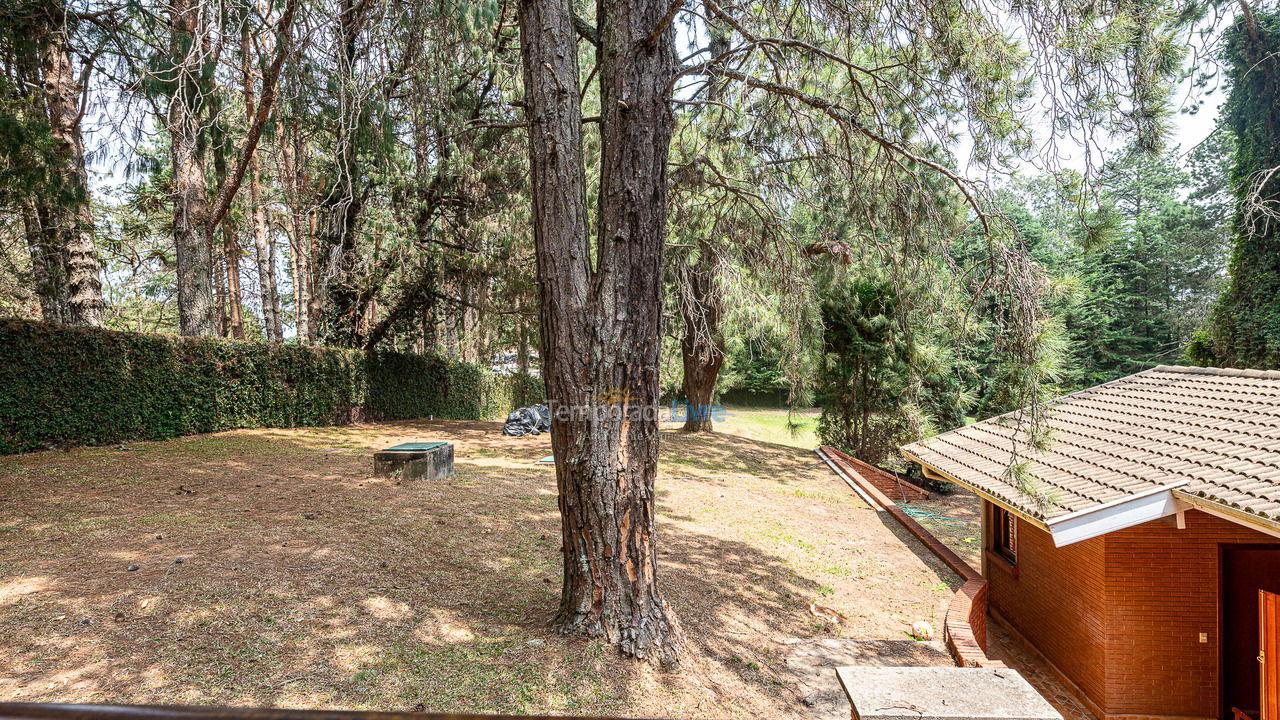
[965, 624]
[888, 483]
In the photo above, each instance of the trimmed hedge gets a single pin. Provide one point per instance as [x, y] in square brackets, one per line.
[79, 386]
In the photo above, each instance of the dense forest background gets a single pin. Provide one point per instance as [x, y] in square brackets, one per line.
[354, 173]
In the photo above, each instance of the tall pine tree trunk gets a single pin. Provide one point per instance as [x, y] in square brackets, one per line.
[72, 216]
[235, 298]
[271, 326]
[297, 227]
[702, 303]
[226, 272]
[48, 266]
[315, 283]
[600, 328]
[195, 217]
[277, 309]
[219, 286]
[191, 235]
[702, 346]
[340, 208]
[522, 349]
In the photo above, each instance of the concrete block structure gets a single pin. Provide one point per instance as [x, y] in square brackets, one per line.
[415, 461]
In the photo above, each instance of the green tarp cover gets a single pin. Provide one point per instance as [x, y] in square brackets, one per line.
[415, 447]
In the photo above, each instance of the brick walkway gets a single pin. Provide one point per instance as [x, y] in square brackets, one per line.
[1008, 648]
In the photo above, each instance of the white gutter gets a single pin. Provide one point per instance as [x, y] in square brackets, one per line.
[1115, 515]
[1117, 502]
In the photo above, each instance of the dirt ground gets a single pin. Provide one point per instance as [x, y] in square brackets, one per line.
[273, 570]
[955, 518]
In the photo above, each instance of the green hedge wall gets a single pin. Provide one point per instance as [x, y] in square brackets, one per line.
[75, 386]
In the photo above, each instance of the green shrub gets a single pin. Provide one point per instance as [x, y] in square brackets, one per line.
[78, 386]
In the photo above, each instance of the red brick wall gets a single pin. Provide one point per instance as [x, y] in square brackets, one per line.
[966, 625]
[895, 488]
[1163, 588]
[1121, 615]
[1055, 597]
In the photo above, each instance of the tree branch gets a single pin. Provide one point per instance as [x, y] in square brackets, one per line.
[846, 118]
[270, 84]
[585, 30]
[656, 34]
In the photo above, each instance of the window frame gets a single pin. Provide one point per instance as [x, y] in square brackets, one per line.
[1004, 534]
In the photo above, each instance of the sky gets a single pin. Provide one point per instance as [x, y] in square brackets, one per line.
[1190, 129]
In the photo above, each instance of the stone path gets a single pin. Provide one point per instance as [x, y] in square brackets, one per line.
[813, 662]
[1008, 648]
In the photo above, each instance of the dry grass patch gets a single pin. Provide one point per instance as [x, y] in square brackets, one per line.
[305, 582]
[955, 519]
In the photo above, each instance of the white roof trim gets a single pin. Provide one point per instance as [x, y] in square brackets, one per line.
[1118, 514]
[1113, 516]
[1118, 501]
[1239, 517]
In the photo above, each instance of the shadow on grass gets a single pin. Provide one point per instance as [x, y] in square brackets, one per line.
[303, 581]
[695, 454]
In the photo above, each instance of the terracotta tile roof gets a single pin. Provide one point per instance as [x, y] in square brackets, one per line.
[1214, 431]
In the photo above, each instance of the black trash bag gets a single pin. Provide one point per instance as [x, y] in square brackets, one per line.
[532, 420]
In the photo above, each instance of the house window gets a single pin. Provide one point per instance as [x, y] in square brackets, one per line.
[1005, 541]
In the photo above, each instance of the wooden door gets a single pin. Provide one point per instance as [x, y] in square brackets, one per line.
[1246, 569]
[1269, 653]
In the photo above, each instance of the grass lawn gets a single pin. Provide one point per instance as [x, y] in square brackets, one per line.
[770, 425]
[304, 582]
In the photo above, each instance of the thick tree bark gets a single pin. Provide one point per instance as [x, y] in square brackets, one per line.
[702, 346]
[191, 236]
[600, 328]
[48, 266]
[340, 320]
[344, 196]
[72, 220]
[195, 217]
[193, 259]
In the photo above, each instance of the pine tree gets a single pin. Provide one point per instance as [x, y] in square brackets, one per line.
[1246, 322]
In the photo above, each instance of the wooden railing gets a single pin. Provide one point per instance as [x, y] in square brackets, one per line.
[58, 711]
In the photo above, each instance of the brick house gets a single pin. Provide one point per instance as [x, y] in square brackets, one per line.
[1140, 551]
